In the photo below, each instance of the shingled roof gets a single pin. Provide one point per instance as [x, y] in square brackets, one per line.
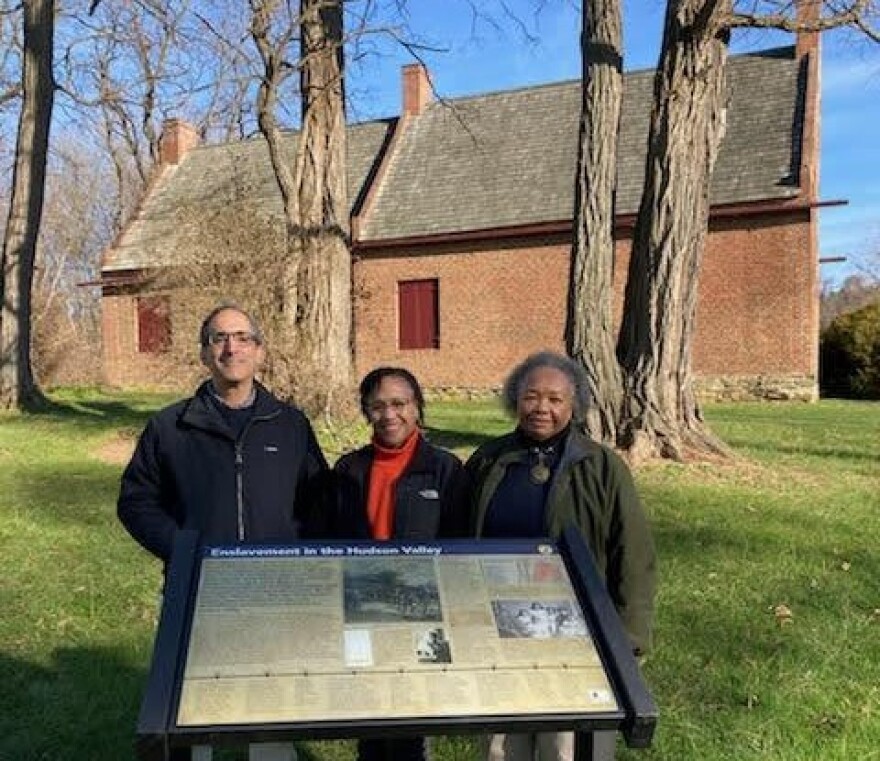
[496, 160]
[509, 158]
[210, 176]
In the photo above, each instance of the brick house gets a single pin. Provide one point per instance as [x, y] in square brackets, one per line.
[461, 226]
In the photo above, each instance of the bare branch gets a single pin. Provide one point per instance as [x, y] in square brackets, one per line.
[852, 14]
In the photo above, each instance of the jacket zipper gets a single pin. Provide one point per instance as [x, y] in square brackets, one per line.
[239, 488]
[239, 469]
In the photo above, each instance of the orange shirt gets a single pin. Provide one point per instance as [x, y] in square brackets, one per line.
[387, 467]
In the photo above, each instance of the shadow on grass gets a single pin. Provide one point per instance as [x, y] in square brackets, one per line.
[78, 493]
[869, 454]
[97, 413]
[773, 535]
[82, 706]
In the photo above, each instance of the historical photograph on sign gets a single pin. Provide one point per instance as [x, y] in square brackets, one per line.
[432, 646]
[355, 633]
[527, 572]
[376, 591]
[542, 620]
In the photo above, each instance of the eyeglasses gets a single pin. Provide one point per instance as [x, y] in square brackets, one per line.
[378, 407]
[241, 337]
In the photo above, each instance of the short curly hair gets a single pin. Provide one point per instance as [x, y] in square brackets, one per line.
[576, 374]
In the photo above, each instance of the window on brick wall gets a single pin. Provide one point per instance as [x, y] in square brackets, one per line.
[419, 314]
[153, 324]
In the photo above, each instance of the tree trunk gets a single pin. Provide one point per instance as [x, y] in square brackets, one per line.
[313, 289]
[589, 328]
[18, 388]
[324, 275]
[283, 286]
[660, 415]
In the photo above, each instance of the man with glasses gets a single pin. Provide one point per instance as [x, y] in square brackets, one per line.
[232, 462]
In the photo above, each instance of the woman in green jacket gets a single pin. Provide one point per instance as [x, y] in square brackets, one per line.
[545, 475]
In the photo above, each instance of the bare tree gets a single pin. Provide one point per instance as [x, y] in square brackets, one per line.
[659, 415]
[129, 66]
[867, 263]
[18, 388]
[855, 292]
[77, 226]
[316, 294]
[324, 277]
[589, 329]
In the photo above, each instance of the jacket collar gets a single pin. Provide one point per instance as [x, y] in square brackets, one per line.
[422, 458]
[577, 446]
[200, 412]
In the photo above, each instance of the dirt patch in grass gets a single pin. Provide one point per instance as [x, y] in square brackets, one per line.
[118, 450]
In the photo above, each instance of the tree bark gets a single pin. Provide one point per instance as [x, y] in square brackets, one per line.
[274, 72]
[18, 388]
[324, 275]
[314, 291]
[590, 319]
[660, 415]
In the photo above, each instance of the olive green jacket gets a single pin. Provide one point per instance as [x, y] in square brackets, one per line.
[592, 489]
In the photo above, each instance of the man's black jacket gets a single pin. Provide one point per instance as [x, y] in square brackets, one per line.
[189, 472]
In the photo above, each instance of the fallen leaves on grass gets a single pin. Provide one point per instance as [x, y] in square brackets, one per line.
[783, 615]
[829, 723]
[118, 450]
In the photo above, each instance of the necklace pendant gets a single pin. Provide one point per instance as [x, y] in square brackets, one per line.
[539, 473]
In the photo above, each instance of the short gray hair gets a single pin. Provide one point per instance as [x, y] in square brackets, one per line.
[205, 329]
[572, 370]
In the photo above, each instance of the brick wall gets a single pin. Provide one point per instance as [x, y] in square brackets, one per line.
[756, 321]
[756, 332]
[489, 316]
[124, 366]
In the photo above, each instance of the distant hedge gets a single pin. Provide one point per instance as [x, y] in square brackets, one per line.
[849, 356]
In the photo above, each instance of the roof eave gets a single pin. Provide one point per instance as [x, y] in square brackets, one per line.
[623, 223]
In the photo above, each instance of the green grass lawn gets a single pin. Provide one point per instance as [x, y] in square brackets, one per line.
[793, 522]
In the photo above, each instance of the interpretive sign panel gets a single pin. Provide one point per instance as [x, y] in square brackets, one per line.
[353, 639]
[358, 632]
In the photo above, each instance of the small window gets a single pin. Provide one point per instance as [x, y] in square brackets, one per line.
[154, 324]
[419, 314]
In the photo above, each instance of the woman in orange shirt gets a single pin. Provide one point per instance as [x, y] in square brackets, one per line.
[399, 487]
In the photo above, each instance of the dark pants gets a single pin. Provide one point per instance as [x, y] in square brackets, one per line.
[392, 749]
[594, 746]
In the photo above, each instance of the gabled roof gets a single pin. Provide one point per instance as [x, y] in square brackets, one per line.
[210, 176]
[509, 158]
[490, 161]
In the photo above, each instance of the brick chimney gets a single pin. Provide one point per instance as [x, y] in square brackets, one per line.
[178, 138]
[808, 12]
[416, 89]
[807, 52]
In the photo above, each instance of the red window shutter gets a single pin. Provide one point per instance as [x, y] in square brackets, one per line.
[154, 324]
[419, 314]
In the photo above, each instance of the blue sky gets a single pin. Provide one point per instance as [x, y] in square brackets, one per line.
[495, 53]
